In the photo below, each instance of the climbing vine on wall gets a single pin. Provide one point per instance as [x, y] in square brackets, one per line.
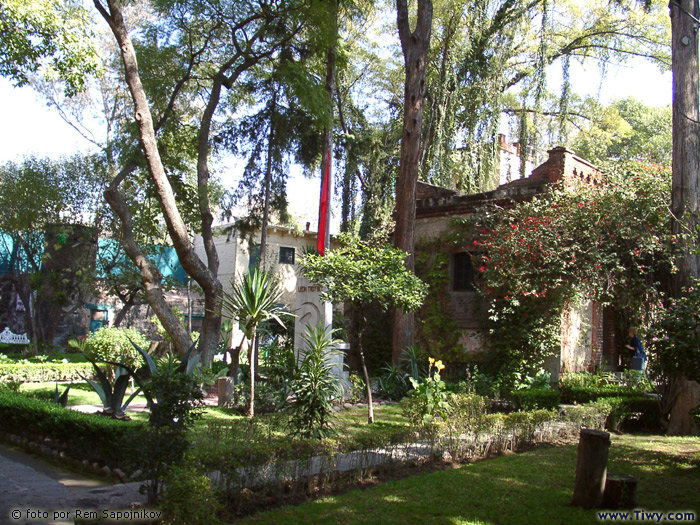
[610, 242]
[436, 329]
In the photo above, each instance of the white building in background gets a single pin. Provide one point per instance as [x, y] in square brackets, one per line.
[285, 247]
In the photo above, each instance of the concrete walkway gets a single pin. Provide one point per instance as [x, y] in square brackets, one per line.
[35, 491]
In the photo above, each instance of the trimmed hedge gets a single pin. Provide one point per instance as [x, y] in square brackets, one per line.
[640, 410]
[586, 394]
[45, 372]
[83, 436]
[537, 398]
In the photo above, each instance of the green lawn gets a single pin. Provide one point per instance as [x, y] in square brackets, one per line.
[79, 394]
[348, 423]
[532, 487]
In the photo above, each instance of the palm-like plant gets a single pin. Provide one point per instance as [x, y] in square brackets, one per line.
[254, 300]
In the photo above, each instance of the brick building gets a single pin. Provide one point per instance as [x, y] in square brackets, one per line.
[587, 331]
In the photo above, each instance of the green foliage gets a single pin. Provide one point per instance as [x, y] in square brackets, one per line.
[541, 379]
[626, 130]
[254, 300]
[112, 391]
[623, 409]
[540, 259]
[586, 394]
[587, 379]
[44, 372]
[189, 498]
[674, 337]
[393, 382]
[61, 399]
[468, 409]
[428, 400]
[314, 387]
[358, 388]
[175, 401]
[50, 35]
[171, 388]
[477, 382]
[437, 328]
[85, 436]
[110, 344]
[10, 386]
[537, 398]
[362, 273]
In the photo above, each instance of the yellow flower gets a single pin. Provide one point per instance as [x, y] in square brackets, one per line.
[439, 365]
[431, 360]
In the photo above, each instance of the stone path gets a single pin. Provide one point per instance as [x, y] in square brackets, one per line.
[33, 491]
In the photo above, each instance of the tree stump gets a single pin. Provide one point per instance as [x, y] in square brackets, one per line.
[225, 386]
[591, 468]
[620, 492]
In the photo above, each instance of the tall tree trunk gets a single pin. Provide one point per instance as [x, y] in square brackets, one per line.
[204, 275]
[686, 174]
[365, 374]
[129, 302]
[266, 211]
[327, 144]
[415, 46]
[267, 183]
[253, 371]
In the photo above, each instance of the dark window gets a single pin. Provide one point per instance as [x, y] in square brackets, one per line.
[254, 257]
[462, 272]
[286, 255]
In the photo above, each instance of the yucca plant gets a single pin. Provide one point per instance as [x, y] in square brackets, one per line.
[254, 300]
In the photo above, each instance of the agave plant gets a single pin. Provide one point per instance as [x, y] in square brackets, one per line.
[112, 394]
[61, 399]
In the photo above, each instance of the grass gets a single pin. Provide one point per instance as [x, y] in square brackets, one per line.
[79, 394]
[349, 424]
[531, 487]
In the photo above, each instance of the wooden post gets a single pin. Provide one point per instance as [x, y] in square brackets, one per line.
[591, 468]
[620, 492]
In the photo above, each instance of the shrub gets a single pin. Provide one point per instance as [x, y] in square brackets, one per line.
[359, 389]
[537, 398]
[189, 498]
[468, 409]
[393, 382]
[85, 436]
[109, 344]
[479, 383]
[44, 372]
[643, 410]
[586, 394]
[314, 387]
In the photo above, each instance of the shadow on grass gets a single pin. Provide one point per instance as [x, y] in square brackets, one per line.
[532, 487]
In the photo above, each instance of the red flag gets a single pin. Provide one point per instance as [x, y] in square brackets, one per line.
[323, 207]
